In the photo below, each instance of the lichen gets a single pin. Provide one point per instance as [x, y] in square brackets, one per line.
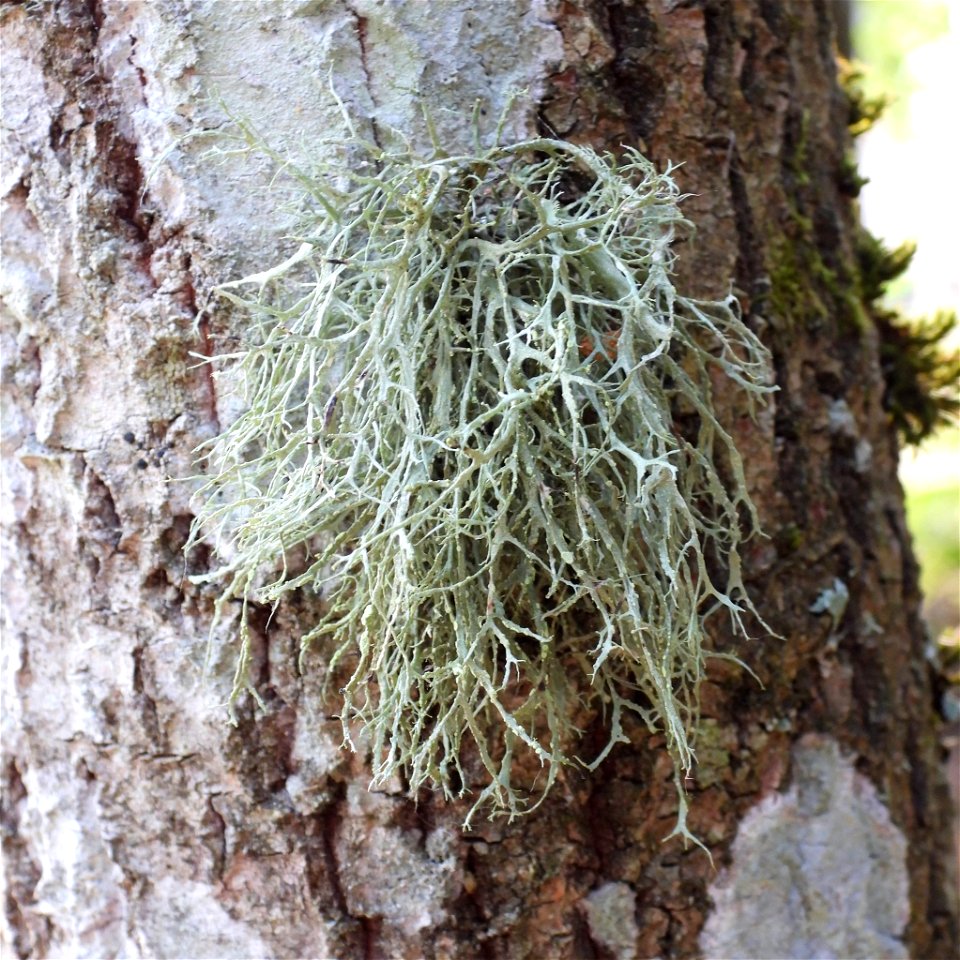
[611, 915]
[479, 424]
[819, 870]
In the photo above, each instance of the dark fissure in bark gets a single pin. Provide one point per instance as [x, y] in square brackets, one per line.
[31, 933]
[634, 83]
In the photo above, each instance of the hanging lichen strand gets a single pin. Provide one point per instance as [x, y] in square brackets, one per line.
[464, 397]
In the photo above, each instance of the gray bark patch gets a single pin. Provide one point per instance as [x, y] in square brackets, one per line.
[818, 872]
[611, 916]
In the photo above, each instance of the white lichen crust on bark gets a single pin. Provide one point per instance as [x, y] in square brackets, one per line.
[140, 820]
[818, 871]
[611, 915]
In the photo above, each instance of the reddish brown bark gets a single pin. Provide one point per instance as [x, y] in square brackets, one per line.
[746, 95]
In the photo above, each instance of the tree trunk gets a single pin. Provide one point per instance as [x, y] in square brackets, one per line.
[136, 821]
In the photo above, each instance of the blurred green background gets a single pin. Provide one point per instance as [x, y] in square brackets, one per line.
[909, 51]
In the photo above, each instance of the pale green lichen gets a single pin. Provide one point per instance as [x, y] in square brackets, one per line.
[479, 416]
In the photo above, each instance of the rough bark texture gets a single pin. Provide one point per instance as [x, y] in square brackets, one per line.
[135, 822]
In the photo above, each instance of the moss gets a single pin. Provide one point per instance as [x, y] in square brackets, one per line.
[878, 265]
[792, 298]
[863, 111]
[920, 372]
[805, 291]
[461, 391]
[849, 179]
[790, 539]
[797, 160]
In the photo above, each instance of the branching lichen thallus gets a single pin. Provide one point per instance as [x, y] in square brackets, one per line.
[460, 397]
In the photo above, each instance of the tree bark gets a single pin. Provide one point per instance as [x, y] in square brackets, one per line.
[136, 822]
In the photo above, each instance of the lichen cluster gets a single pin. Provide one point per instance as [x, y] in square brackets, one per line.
[479, 425]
